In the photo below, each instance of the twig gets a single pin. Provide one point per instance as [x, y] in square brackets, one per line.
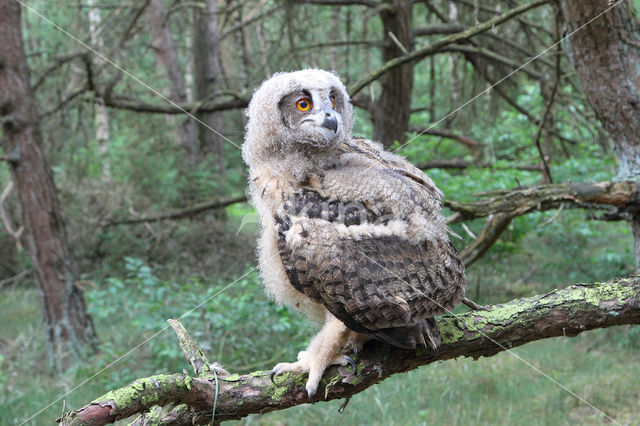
[15, 277]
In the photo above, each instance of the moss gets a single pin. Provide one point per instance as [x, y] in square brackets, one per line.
[139, 390]
[232, 378]
[279, 392]
[258, 373]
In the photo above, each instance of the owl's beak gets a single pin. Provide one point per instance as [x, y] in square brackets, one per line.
[330, 121]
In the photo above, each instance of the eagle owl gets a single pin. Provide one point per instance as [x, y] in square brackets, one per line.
[352, 235]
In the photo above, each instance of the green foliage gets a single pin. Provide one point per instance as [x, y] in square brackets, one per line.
[233, 321]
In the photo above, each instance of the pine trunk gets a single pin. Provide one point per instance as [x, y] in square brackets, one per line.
[70, 332]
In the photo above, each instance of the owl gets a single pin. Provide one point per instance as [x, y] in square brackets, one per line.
[352, 235]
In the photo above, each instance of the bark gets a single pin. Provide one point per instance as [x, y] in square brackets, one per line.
[70, 332]
[606, 56]
[392, 111]
[497, 328]
[206, 52]
[167, 55]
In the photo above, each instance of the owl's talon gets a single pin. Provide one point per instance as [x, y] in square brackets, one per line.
[310, 393]
[351, 363]
[274, 373]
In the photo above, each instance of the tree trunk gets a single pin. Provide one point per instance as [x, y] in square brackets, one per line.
[606, 56]
[391, 113]
[206, 51]
[70, 332]
[101, 111]
[167, 55]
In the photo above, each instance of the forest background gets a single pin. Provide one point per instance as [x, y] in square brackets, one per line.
[152, 200]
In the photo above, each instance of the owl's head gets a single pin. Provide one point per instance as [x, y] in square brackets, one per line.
[307, 111]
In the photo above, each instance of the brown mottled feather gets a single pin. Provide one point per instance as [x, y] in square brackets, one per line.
[380, 285]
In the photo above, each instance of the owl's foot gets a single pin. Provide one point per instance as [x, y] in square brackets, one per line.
[355, 343]
[314, 365]
[323, 351]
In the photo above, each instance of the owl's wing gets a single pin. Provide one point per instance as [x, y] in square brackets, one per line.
[354, 261]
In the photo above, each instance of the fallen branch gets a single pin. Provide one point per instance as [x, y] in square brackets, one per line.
[516, 202]
[497, 328]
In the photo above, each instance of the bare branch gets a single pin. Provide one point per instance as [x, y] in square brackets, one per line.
[566, 312]
[491, 231]
[368, 3]
[516, 202]
[472, 144]
[433, 47]
[436, 29]
[121, 102]
[188, 212]
[461, 164]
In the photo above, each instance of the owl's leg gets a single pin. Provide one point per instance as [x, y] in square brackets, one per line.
[322, 352]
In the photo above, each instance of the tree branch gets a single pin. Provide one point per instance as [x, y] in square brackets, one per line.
[181, 214]
[566, 312]
[472, 144]
[516, 202]
[461, 164]
[368, 3]
[433, 47]
[121, 102]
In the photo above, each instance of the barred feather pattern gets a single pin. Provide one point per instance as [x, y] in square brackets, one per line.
[354, 255]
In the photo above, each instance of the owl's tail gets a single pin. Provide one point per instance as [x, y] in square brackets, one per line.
[424, 332]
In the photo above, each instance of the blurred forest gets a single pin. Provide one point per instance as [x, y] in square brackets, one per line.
[150, 215]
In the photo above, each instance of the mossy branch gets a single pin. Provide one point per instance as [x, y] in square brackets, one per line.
[565, 312]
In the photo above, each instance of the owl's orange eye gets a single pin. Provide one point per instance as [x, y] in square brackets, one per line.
[333, 101]
[303, 104]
